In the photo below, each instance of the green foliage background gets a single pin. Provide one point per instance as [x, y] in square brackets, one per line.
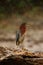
[9, 6]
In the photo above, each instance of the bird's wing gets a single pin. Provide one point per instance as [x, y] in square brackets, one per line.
[17, 36]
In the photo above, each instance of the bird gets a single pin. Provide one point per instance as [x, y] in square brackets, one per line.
[20, 34]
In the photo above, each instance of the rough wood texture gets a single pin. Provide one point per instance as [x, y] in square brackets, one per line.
[9, 57]
[19, 60]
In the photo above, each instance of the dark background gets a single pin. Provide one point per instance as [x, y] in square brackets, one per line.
[19, 6]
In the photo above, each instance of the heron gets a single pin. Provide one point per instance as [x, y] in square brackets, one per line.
[20, 34]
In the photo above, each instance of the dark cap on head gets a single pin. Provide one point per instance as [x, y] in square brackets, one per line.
[23, 23]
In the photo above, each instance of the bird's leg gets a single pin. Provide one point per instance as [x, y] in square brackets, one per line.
[17, 43]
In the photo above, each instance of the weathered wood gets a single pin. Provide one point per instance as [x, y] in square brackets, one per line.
[19, 57]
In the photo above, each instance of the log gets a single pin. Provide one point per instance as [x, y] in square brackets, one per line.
[19, 57]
